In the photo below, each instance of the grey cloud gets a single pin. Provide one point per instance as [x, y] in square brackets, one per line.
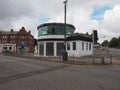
[15, 8]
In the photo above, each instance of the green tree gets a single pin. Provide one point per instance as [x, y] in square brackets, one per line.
[105, 43]
[118, 42]
[113, 42]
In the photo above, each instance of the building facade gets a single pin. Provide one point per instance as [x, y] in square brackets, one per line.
[16, 41]
[7, 40]
[51, 37]
[24, 41]
[79, 45]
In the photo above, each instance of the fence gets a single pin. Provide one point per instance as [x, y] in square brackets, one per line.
[85, 60]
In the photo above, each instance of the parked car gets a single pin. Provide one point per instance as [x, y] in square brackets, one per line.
[6, 51]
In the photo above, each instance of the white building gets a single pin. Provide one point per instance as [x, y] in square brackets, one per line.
[51, 40]
[79, 45]
[7, 46]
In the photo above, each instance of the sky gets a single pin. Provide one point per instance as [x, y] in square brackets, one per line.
[85, 15]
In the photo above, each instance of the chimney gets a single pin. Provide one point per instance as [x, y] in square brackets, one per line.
[29, 32]
[11, 30]
[87, 33]
[23, 28]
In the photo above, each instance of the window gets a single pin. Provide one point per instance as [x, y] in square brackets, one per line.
[89, 46]
[86, 46]
[12, 37]
[55, 29]
[4, 37]
[50, 49]
[41, 48]
[68, 45]
[4, 41]
[82, 45]
[22, 42]
[22, 37]
[12, 41]
[60, 48]
[74, 45]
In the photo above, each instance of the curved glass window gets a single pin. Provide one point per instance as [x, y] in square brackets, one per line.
[42, 31]
[55, 30]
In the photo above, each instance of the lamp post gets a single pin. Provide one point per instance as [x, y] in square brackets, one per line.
[65, 54]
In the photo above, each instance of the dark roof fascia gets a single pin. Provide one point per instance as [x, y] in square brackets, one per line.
[50, 39]
[82, 38]
[51, 24]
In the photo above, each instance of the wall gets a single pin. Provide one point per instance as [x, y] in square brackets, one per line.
[86, 50]
[79, 52]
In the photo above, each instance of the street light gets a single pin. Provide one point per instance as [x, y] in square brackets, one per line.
[65, 54]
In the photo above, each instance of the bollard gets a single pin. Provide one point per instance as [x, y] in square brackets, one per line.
[65, 56]
[102, 59]
[73, 58]
[110, 59]
[93, 57]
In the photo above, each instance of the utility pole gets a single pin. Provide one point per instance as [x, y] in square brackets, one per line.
[93, 40]
[65, 54]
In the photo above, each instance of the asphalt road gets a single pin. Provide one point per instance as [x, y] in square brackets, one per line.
[28, 74]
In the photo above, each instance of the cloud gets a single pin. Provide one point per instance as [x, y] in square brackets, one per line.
[16, 8]
[111, 22]
[112, 19]
[98, 12]
[30, 13]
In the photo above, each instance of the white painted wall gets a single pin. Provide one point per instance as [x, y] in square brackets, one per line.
[85, 51]
[51, 36]
[72, 52]
[79, 52]
[8, 45]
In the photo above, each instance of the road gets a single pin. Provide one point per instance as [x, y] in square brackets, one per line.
[29, 74]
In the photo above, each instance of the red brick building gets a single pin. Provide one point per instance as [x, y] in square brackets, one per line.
[17, 41]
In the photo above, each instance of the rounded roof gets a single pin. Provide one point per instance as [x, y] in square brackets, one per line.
[50, 24]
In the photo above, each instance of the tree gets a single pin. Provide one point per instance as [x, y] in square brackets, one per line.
[105, 43]
[113, 42]
[118, 42]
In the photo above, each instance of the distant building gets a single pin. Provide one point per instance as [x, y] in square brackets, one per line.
[8, 40]
[24, 41]
[17, 41]
[51, 40]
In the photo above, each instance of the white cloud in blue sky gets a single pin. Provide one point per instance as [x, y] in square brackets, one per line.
[99, 11]
[42, 20]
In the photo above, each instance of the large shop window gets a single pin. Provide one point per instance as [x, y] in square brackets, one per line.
[50, 49]
[41, 48]
[60, 48]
